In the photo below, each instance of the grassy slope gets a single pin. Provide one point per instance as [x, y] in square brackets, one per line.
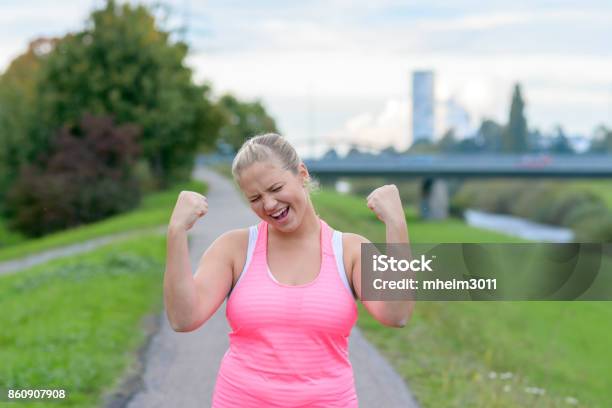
[75, 323]
[449, 350]
[602, 188]
[154, 211]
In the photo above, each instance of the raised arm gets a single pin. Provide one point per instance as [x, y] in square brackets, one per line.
[385, 202]
[191, 300]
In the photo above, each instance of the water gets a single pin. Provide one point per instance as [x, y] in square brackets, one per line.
[507, 224]
[519, 227]
[343, 187]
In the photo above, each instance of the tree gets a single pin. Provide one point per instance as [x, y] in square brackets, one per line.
[515, 133]
[490, 132]
[60, 192]
[422, 146]
[389, 152]
[468, 145]
[242, 120]
[535, 141]
[18, 99]
[602, 140]
[561, 144]
[122, 64]
[331, 154]
[448, 142]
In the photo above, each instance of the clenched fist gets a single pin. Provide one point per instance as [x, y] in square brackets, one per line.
[385, 202]
[190, 206]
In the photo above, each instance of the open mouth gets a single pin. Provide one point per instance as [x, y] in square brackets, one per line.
[281, 214]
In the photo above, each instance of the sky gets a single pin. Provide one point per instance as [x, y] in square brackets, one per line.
[339, 71]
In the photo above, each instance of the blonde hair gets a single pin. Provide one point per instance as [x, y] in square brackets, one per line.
[266, 147]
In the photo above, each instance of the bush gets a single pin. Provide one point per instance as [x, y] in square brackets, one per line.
[546, 202]
[87, 176]
[595, 229]
[567, 203]
[595, 210]
[146, 181]
[488, 195]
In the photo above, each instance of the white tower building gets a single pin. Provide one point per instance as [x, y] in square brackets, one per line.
[422, 105]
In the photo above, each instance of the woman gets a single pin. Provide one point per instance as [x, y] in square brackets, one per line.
[290, 284]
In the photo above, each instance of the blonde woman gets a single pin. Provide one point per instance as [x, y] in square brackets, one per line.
[291, 284]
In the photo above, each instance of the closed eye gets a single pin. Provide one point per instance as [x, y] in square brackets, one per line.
[272, 189]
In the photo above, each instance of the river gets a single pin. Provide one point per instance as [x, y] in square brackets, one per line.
[507, 224]
[517, 226]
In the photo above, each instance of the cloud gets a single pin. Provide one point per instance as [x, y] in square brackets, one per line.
[384, 128]
[482, 84]
[487, 21]
[352, 59]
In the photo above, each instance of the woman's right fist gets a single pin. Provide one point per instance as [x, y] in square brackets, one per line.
[190, 206]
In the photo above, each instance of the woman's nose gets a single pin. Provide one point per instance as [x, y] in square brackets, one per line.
[269, 203]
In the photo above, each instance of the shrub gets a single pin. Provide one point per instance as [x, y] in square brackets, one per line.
[594, 229]
[547, 202]
[86, 176]
[561, 204]
[595, 210]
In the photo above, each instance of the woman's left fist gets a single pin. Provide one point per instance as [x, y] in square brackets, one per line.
[385, 202]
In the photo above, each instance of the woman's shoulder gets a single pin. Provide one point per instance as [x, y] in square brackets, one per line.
[233, 242]
[350, 239]
[352, 242]
[234, 238]
[351, 248]
[233, 245]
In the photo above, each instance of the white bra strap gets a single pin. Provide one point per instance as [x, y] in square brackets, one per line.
[339, 255]
[253, 232]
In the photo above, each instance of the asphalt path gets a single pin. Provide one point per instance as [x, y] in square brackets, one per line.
[179, 369]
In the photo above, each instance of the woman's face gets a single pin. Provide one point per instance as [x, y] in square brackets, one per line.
[276, 195]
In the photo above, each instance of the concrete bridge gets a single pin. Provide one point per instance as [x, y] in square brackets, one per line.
[464, 166]
[434, 170]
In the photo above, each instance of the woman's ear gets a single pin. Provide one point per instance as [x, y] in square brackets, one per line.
[303, 173]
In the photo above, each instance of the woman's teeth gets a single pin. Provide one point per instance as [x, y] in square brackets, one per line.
[281, 213]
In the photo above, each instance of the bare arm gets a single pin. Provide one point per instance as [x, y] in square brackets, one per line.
[191, 300]
[180, 294]
[386, 204]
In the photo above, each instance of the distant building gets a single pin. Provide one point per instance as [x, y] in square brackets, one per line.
[422, 105]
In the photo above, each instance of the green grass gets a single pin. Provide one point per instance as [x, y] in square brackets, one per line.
[601, 188]
[75, 323]
[154, 211]
[8, 237]
[350, 213]
[585, 206]
[449, 350]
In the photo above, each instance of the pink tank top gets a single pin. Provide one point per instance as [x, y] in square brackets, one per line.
[289, 344]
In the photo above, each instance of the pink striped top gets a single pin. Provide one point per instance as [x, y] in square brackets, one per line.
[289, 344]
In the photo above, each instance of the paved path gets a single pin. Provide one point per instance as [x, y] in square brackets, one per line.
[69, 250]
[180, 368]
